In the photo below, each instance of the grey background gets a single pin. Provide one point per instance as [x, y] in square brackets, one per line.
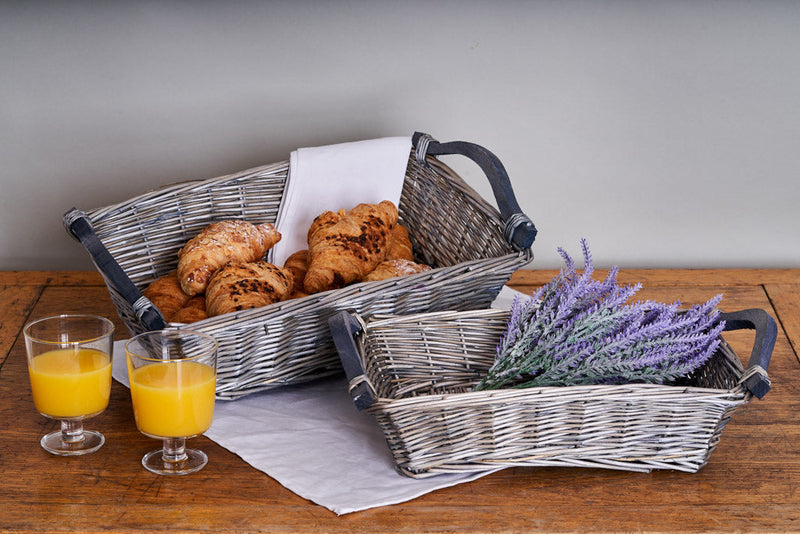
[665, 133]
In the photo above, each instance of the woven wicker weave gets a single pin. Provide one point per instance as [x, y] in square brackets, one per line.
[451, 227]
[420, 371]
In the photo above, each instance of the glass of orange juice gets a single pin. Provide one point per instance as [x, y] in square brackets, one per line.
[173, 376]
[69, 364]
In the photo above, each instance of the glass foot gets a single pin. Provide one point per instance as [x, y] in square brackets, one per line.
[161, 464]
[65, 445]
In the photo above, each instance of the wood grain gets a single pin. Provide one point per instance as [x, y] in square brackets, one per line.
[56, 278]
[16, 303]
[682, 277]
[751, 483]
[785, 299]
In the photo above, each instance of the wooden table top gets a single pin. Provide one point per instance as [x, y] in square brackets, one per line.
[751, 482]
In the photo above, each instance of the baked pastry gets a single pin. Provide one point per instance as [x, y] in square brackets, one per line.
[400, 247]
[166, 294]
[194, 310]
[297, 263]
[243, 285]
[397, 267]
[219, 243]
[344, 251]
[324, 220]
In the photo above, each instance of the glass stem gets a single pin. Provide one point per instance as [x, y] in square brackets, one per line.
[71, 431]
[174, 450]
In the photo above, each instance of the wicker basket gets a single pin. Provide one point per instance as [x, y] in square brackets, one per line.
[416, 375]
[473, 248]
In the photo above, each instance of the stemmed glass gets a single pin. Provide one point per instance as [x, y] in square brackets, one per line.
[172, 375]
[69, 364]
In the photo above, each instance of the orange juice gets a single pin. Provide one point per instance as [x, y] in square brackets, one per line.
[70, 382]
[173, 399]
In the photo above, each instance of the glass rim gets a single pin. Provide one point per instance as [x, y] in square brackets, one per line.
[214, 344]
[26, 331]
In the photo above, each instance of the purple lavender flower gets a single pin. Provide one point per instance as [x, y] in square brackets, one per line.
[576, 330]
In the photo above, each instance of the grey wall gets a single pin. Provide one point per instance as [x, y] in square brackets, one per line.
[666, 133]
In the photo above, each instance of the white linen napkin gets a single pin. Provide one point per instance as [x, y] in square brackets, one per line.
[335, 177]
[312, 440]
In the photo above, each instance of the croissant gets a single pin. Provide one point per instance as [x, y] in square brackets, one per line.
[345, 251]
[243, 285]
[324, 220]
[400, 247]
[391, 268]
[220, 243]
[194, 310]
[166, 294]
[297, 263]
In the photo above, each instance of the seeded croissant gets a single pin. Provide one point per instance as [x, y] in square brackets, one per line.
[344, 251]
[220, 243]
[244, 285]
[391, 268]
[166, 294]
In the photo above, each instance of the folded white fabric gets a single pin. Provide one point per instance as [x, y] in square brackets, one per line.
[312, 440]
[335, 177]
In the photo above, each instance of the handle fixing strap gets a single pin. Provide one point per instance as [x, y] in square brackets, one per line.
[422, 147]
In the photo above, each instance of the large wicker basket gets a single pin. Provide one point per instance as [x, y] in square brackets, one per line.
[473, 247]
[416, 375]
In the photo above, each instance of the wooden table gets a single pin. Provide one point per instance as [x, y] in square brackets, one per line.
[751, 483]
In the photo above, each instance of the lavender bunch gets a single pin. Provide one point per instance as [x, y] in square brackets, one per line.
[576, 330]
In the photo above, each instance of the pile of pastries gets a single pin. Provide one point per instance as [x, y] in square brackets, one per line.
[222, 269]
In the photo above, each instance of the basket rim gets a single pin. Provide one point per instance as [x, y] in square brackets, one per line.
[566, 394]
[183, 186]
[334, 295]
[539, 394]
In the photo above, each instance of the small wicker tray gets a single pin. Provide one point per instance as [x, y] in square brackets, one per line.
[416, 375]
[473, 247]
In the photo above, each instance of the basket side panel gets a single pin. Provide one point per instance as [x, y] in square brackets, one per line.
[722, 371]
[448, 222]
[444, 353]
[638, 430]
[145, 233]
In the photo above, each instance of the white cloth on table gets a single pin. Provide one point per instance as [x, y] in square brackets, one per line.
[312, 440]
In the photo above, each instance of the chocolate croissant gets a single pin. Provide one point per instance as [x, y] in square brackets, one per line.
[324, 220]
[398, 267]
[244, 285]
[220, 243]
[166, 294]
[344, 251]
